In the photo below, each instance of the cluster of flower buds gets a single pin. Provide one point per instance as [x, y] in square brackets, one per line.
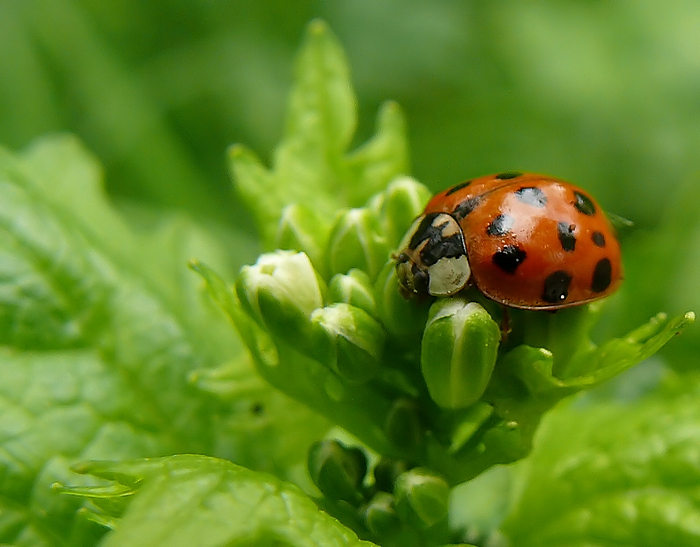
[434, 382]
[394, 500]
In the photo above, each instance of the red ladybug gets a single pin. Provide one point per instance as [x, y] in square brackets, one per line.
[525, 240]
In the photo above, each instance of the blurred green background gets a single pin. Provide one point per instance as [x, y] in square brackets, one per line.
[605, 94]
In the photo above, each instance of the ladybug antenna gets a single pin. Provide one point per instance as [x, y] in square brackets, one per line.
[620, 223]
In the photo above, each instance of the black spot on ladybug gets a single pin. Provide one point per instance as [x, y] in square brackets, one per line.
[556, 287]
[466, 207]
[598, 239]
[531, 196]
[508, 175]
[602, 275]
[509, 258]
[565, 231]
[458, 187]
[500, 225]
[584, 204]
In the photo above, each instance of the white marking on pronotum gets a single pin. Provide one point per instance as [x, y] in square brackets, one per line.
[448, 226]
[448, 276]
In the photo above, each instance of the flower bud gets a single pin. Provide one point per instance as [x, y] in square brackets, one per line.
[380, 515]
[300, 229]
[338, 470]
[404, 319]
[460, 346]
[403, 201]
[280, 291]
[349, 341]
[357, 241]
[386, 472]
[403, 425]
[421, 497]
[354, 288]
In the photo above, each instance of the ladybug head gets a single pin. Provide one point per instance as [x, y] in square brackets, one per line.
[433, 257]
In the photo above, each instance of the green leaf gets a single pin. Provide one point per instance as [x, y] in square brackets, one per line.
[99, 349]
[69, 177]
[194, 500]
[310, 166]
[620, 354]
[382, 157]
[614, 474]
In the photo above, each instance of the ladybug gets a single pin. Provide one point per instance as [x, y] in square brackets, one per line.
[525, 240]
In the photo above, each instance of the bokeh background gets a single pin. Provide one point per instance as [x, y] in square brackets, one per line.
[605, 94]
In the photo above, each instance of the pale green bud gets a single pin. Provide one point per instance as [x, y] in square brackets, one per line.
[338, 470]
[380, 515]
[301, 229]
[459, 350]
[421, 497]
[404, 319]
[404, 200]
[349, 341]
[354, 288]
[280, 291]
[357, 241]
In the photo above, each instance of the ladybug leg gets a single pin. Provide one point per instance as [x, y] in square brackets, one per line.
[505, 323]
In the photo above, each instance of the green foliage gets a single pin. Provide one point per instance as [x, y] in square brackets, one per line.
[311, 167]
[111, 350]
[104, 344]
[223, 505]
[631, 485]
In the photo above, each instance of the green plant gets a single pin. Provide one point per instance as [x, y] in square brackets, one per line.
[109, 354]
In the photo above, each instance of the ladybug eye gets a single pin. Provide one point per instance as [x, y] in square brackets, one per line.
[420, 281]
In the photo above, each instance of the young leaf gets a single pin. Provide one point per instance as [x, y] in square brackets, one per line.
[194, 500]
[97, 348]
[614, 473]
[311, 166]
[382, 157]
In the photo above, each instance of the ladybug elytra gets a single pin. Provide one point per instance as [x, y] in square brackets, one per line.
[525, 240]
